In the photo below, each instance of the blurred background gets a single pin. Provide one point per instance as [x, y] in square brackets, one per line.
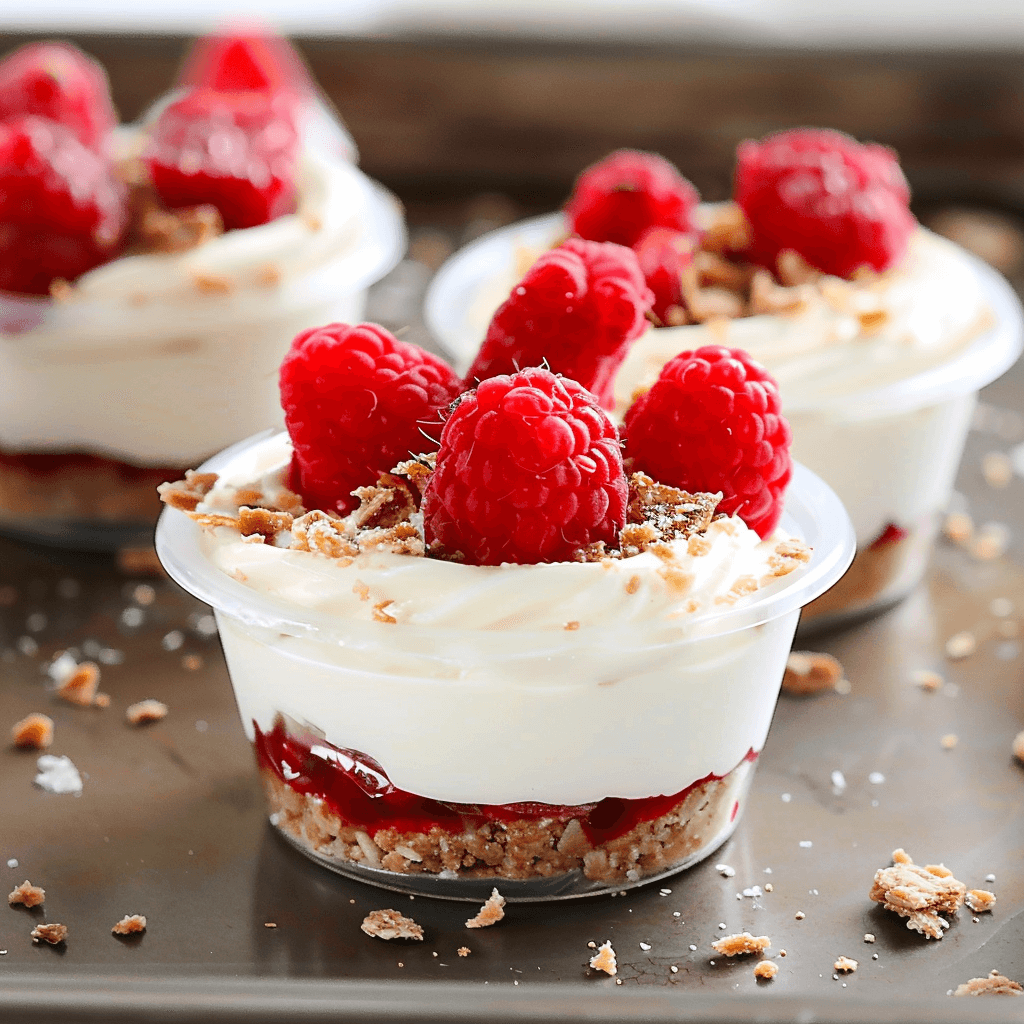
[476, 113]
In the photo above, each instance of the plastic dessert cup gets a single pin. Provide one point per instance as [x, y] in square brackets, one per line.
[553, 763]
[160, 360]
[890, 451]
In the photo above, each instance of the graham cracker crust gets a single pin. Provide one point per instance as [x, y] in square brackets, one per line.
[521, 849]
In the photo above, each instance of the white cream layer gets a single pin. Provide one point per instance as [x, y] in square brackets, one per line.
[165, 358]
[479, 693]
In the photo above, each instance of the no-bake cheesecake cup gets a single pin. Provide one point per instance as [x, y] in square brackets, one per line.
[889, 443]
[152, 362]
[551, 762]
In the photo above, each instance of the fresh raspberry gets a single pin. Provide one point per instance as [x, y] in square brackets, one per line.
[234, 150]
[621, 196]
[357, 401]
[62, 210]
[712, 422]
[840, 204]
[578, 309]
[58, 82]
[248, 60]
[663, 255]
[529, 471]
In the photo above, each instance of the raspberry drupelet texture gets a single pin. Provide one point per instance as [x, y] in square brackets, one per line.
[62, 210]
[234, 150]
[247, 61]
[663, 255]
[62, 84]
[357, 401]
[839, 204]
[577, 311]
[621, 196]
[529, 471]
[712, 422]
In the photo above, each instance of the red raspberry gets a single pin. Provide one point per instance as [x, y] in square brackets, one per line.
[234, 150]
[246, 61]
[663, 255]
[59, 82]
[621, 196]
[578, 309]
[712, 422]
[529, 471]
[355, 402]
[62, 210]
[839, 204]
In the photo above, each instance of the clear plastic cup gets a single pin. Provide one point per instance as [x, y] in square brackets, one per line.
[160, 361]
[552, 763]
[890, 453]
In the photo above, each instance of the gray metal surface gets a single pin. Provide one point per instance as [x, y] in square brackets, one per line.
[171, 824]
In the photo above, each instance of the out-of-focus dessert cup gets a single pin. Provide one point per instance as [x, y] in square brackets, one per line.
[557, 729]
[879, 406]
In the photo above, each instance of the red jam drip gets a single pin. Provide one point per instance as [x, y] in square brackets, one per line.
[49, 463]
[358, 790]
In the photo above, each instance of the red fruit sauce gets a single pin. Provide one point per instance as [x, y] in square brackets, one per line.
[357, 789]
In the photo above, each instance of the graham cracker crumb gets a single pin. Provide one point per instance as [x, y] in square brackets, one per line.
[27, 895]
[261, 522]
[810, 672]
[794, 270]
[928, 680]
[949, 741]
[417, 470]
[269, 275]
[186, 494]
[380, 615]
[604, 959]
[1018, 746]
[33, 732]
[846, 964]
[176, 231]
[463, 951]
[273, 924]
[572, 625]
[54, 934]
[961, 645]
[213, 284]
[490, 913]
[318, 532]
[102, 700]
[361, 590]
[146, 711]
[670, 513]
[980, 900]
[728, 230]
[385, 505]
[995, 984]
[872, 321]
[390, 924]
[918, 894]
[767, 297]
[80, 687]
[130, 925]
[765, 969]
[632, 584]
[741, 944]
[869, 937]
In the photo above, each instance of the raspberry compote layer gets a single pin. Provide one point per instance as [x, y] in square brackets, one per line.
[340, 805]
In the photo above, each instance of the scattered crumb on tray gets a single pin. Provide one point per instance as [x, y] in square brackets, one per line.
[130, 924]
[980, 900]
[390, 924]
[146, 711]
[80, 684]
[994, 985]
[765, 969]
[869, 937]
[741, 944]
[33, 732]
[997, 469]
[949, 741]
[809, 672]
[846, 964]
[920, 894]
[54, 934]
[604, 959]
[927, 679]
[490, 913]
[27, 895]
[463, 951]
[961, 645]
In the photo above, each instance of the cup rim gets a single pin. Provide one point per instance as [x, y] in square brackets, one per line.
[813, 512]
[989, 355]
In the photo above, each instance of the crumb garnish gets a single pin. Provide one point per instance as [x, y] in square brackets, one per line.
[175, 231]
[995, 984]
[809, 672]
[846, 964]
[33, 732]
[463, 951]
[741, 944]
[146, 711]
[920, 894]
[27, 895]
[765, 969]
[604, 959]
[186, 494]
[130, 924]
[490, 913]
[390, 924]
[80, 686]
[980, 900]
[53, 934]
